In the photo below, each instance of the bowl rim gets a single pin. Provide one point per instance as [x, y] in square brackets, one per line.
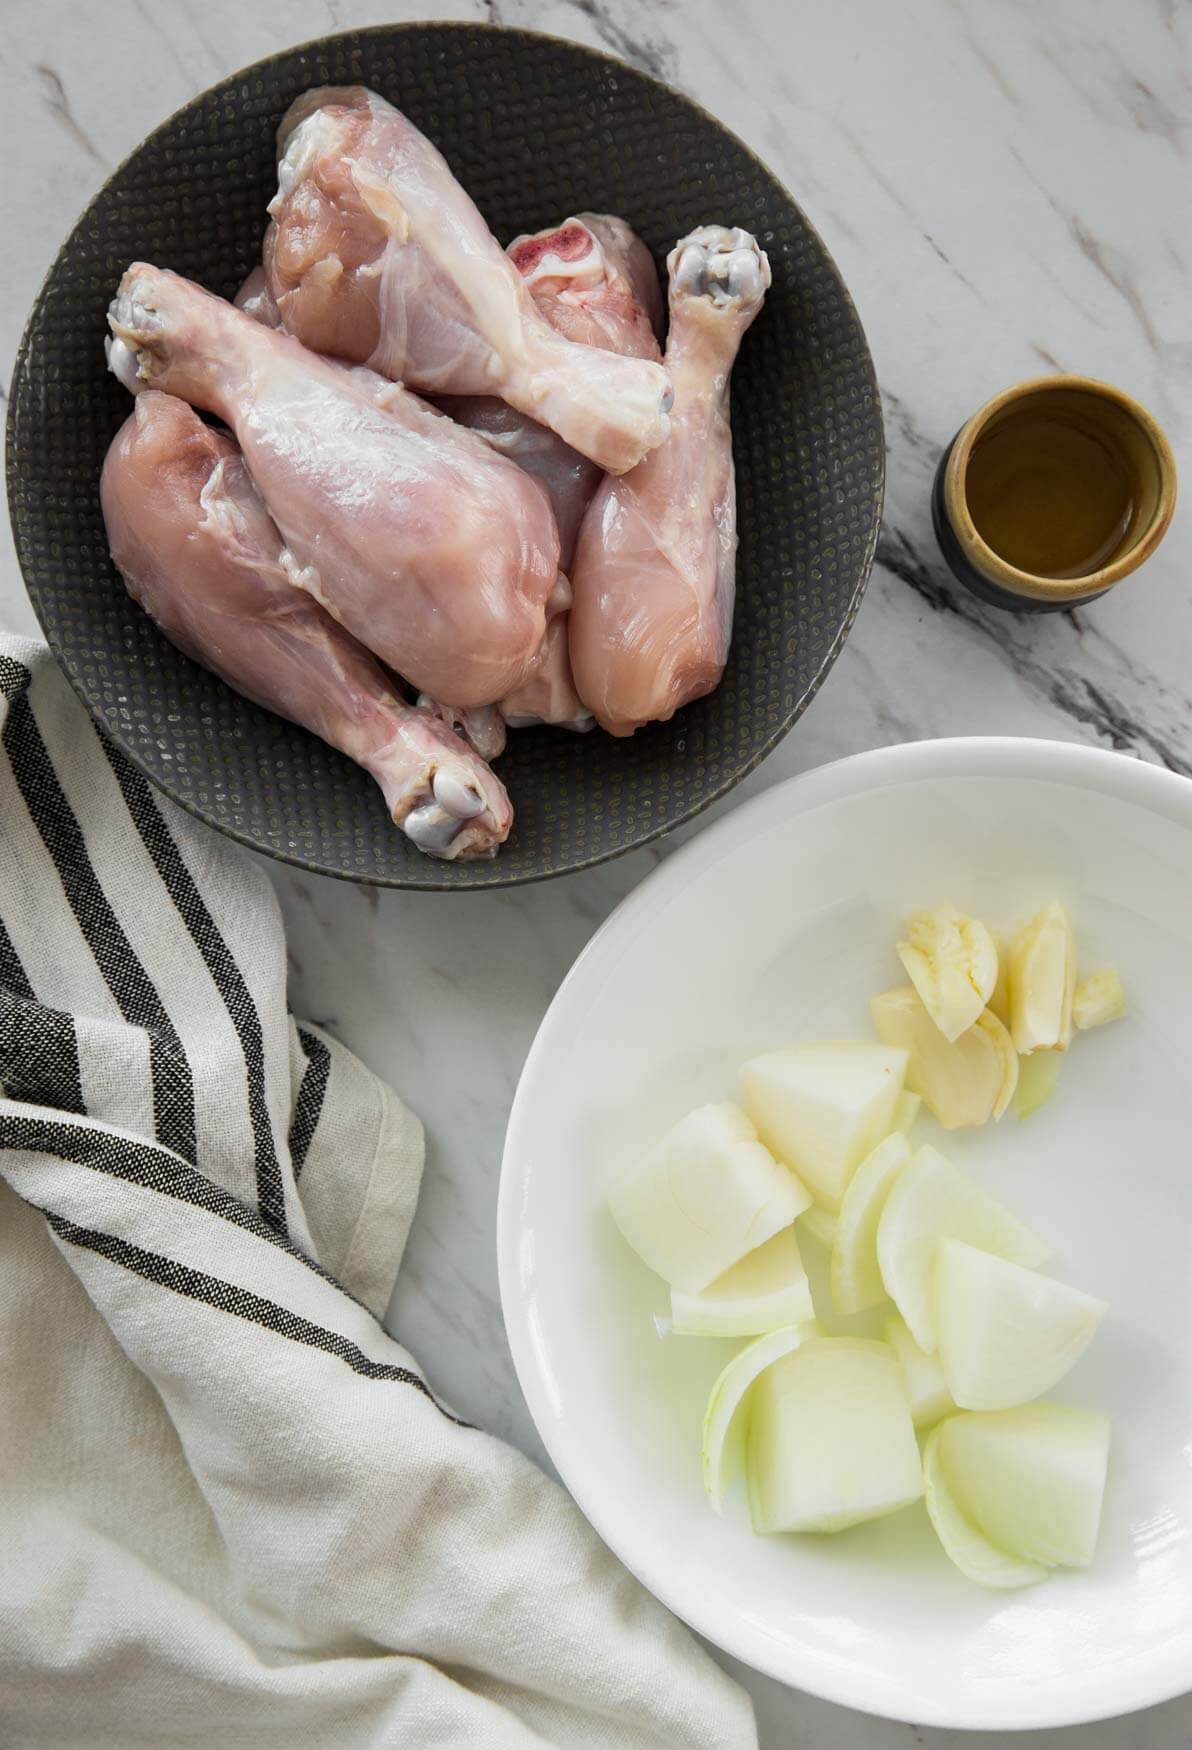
[1078, 1700]
[492, 878]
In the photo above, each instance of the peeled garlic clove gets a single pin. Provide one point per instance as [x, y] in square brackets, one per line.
[1042, 982]
[1001, 1047]
[966, 1082]
[952, 962]
[1099, 998]
[999, 998]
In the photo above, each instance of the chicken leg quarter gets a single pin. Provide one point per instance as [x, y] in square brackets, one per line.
[433, 550]
[376, 254]
[654, 572]
[199, 552]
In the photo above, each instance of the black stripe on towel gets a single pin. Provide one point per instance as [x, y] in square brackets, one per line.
[147, 1164]
[12, 974]
[126, 978]
[225, 1296]
[309, 1104]
[39, 1050]
[225, 973]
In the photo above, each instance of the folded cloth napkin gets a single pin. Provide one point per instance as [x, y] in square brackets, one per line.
[232, 1510]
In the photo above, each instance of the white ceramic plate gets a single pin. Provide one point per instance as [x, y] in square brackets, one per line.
[775, 925]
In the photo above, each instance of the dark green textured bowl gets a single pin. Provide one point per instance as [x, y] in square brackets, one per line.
[535, 128]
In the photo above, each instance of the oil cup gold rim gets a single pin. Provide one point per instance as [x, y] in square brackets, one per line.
[1026, 583]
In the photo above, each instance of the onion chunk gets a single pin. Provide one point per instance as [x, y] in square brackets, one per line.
[831, 1441]
[766, 1289]
[823, 1108]
[703, 1196]
[724, 1418]
[1006, 1334]
[1032, 1479]
[856, 1276]
[925, 1383]
[967, 1546]
[931, 1200]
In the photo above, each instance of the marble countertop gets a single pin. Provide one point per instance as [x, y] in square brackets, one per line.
[1005, 188]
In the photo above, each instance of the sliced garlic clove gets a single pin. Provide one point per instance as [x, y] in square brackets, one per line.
[1098, 999]
[1042, 982]
[952, 962]
[965, 1082]
[999, 999]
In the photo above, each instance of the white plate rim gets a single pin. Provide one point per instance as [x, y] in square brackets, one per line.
[1068, 1702]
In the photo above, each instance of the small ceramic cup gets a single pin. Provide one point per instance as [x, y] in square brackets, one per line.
[1135, 447]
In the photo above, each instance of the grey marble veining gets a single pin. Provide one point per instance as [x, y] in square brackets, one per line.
[1006, 189]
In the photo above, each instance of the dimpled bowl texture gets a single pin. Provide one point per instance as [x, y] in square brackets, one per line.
[535, 129]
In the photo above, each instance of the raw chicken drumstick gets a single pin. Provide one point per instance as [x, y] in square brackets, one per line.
[547, 694]
[256, 300]
[433, 550]
[653, 578]
[376, 254]
[594, 280]
[201, 555]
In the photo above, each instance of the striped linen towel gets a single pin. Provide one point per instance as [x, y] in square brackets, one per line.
[233, 1512]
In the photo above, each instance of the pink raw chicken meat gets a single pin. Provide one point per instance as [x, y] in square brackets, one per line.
[547, 694]
[437, 553]
[594, 279]
[376, 254]
[654, 572]
[201, 555]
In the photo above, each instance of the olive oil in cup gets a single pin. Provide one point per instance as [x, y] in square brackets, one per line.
[1052, 492]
